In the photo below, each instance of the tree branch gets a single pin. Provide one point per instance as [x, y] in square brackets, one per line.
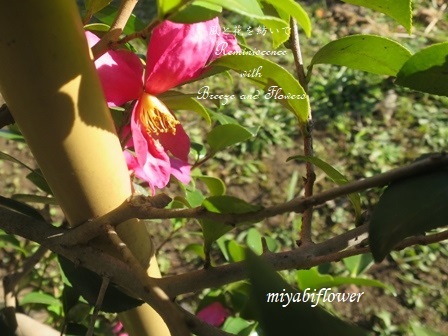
[307, 218]
[152, 208]
[116, 29]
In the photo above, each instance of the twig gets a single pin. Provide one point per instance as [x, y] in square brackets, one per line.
[152, 208]
[99, 302]
[116, 29]
[10, 281]
[120, 273]
[307, 218]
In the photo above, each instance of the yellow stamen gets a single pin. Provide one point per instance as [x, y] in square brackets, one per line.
[155, 116]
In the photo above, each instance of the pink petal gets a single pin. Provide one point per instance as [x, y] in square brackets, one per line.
[225, 43]
[178, 144]
[214, 314]
[180, 170]
[177, 53]
[151, 156]
[120, 72]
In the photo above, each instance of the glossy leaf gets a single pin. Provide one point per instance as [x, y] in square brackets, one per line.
[312, 279]
[400, 10]
[277, 27]
[197, 11]
[20, 207]
[335, 176]
[212, 230]
[296, 11]
[93, 6]
[370, 53]
[215, 185]
[278, 320]
[223, 136]
[178, 101]
[165, 7]
[427, 70]
[274, 77]
[408, 207]
[39, 181]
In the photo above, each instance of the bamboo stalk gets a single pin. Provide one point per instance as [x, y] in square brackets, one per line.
[50, 84]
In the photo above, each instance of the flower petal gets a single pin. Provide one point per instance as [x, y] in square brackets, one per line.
[178, 144]
[121, 74]
[177, 53]
[214, 314]
[180, 170]
[151, 157]
[225, 43]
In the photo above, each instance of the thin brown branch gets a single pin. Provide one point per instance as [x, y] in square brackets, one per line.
[116, 29]
[99, 301]
[120, 273]
[307, 218]
[10, 281]
[152, 208]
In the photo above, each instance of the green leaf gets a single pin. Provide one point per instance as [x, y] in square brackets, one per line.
[236, 251]
[20, 207]
[39, 181]
[12, 135]
[93, 6]
[280, 318]
[371, 53]
[34, 199]
[335, 176]
[165, 7]
[223, 136]
[274, 78]
[400, 10]
[212, 230]
[234, 325]
[197, 11]
[296, 11]
[108, 14]
[40, 298]
[178, 101]
[7, 157]
[215, 185]
[408, 207]
[197, 249]
[251, 8]
[427, 70]
[312, 279]
[358, 264]
[253, 241]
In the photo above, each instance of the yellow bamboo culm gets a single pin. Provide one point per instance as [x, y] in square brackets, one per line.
[49, 83]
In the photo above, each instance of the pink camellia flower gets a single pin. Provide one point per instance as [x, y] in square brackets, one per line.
[214, 314]
[176, 54]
